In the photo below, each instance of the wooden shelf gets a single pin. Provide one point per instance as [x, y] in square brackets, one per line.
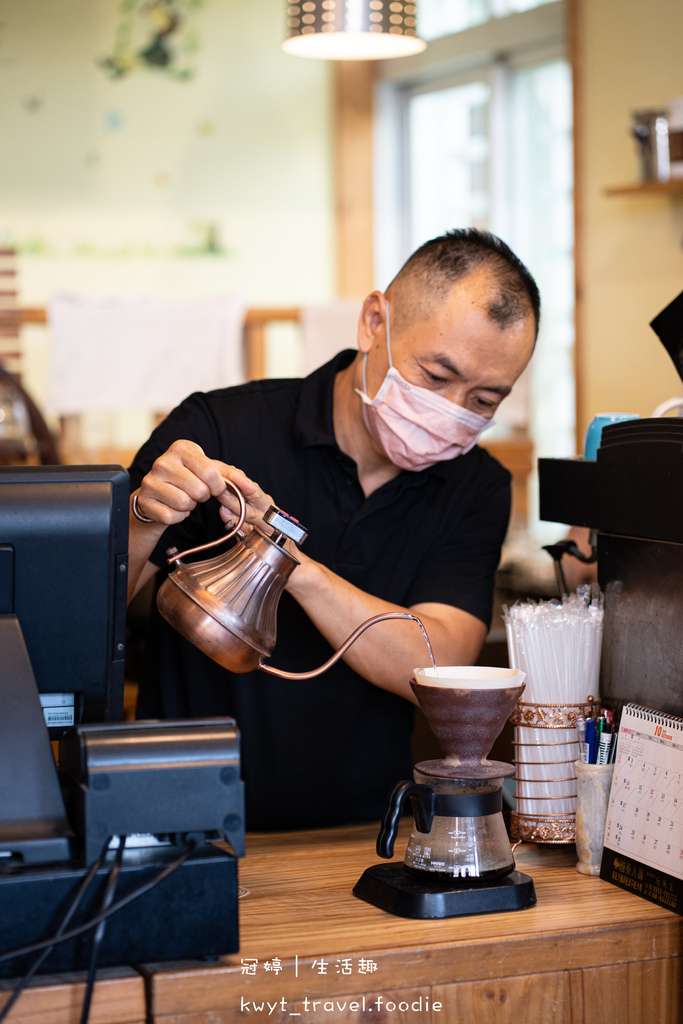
[672, 187]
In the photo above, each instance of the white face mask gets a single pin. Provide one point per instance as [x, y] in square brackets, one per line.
[414, 427]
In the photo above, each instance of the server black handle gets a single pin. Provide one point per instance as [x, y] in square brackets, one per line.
[421, 798]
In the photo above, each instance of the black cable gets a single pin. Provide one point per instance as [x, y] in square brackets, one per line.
[71, 910]
[35, 947]
[109, 890]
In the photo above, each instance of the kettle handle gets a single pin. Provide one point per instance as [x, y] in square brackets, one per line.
[174, 556]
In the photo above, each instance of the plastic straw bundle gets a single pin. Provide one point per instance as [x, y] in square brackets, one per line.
[558, 645]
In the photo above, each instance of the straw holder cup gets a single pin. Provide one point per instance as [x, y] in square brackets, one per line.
[545, 773]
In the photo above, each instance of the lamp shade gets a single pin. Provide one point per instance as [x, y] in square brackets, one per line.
[352, 29]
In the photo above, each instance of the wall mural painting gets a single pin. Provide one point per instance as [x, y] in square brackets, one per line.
[157, 35]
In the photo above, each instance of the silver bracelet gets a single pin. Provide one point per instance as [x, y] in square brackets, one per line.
[138, 514]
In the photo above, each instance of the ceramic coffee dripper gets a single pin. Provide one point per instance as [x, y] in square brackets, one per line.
[227, 605]
[458, 832]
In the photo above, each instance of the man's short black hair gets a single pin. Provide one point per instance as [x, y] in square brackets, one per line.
[450, 257]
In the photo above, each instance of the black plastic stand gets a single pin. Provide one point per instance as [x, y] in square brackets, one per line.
[390, 887]
[191, 913]
[33, 823]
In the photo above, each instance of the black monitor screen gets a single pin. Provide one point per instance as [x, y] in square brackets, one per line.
[63, 574]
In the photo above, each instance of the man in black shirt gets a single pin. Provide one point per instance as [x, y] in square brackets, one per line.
[375, 453]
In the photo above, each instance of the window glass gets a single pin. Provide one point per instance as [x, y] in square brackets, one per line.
[436, 18]
[542, 228]
[496, 153]
[486, 142]
[449, 160]
[541, 232]
[514, 6]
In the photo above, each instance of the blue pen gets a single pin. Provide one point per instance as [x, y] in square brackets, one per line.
[591, 741]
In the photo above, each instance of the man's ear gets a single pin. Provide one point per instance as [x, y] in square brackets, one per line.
[372, 320]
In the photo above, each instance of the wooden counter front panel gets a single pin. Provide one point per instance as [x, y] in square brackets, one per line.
[118, 998]
[649, 992]
[534, 999]
[628, 993]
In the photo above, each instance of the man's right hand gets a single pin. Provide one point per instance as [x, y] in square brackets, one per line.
[179, 479]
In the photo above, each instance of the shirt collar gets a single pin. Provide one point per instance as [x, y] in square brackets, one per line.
[314, 424]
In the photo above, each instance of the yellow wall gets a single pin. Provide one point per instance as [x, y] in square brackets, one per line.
[154, 184]
[632, 257]
[110, 185]
[106, 206]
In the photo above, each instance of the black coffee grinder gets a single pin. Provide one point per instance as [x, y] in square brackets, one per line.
[630, 497]
[458, 860]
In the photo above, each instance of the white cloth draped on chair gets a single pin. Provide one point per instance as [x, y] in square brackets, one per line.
[130, 352]
[328, 328]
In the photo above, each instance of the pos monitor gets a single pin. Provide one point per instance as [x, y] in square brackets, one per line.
[63, 578]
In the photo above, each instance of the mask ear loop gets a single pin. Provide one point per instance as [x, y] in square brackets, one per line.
[365, 357]
[391, 365]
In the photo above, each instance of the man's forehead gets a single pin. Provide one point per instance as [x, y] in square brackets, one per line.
[436, 287]
[472, 346]
[437, 298]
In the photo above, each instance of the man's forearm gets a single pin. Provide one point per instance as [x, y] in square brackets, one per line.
[142, 539]
[387, 653]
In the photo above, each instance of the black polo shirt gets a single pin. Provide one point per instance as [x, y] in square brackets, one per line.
[328, 750]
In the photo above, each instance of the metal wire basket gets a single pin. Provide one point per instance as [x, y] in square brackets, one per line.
[545, 777]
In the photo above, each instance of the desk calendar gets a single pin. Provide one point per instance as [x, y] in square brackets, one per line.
[643, 845]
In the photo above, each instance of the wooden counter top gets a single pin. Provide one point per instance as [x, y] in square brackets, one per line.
[585, 946]
[311, 952]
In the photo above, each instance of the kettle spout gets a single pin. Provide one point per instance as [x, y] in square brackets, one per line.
[347, 643]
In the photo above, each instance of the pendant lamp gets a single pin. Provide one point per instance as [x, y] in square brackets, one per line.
[352, 29]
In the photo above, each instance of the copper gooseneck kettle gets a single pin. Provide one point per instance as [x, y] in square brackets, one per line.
[227, 605]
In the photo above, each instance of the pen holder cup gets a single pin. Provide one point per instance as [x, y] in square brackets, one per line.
[594, 782]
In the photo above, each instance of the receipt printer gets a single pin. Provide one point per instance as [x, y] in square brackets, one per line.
[171, 795]
[170, 779]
